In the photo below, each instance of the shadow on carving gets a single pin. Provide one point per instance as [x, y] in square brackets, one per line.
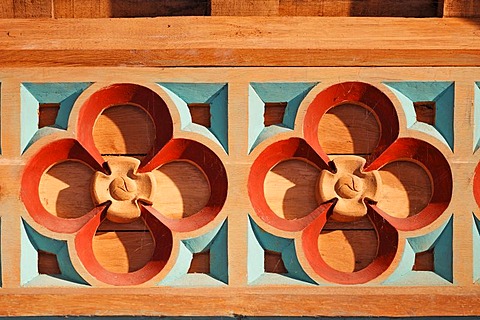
[176, 196]
[351, 249]
[407, 189]
[124, 130]
[65, 189]
[349, 129]
[123, 249]
[289, 181]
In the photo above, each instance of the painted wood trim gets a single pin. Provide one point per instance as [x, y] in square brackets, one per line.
[240, 41]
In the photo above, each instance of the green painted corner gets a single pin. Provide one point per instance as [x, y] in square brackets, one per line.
[214, 241]
[215, 94]
[440, 92]
[34, 94]
[292, 93]
[258, 241]
[31, 242]
[440, 240]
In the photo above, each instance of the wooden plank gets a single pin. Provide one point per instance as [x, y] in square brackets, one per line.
[47, 114]
[142, 8]
[128, 8]
[32, 8]
[240, 41]
[274, 112]
[48, 263]
[245, 301]
[244, 8]
[81, 8]
[200, 263]
[6, 9]
[365, 8]
[461, 8]
[200, 113]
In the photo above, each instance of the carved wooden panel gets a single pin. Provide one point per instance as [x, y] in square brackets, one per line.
[240, 190]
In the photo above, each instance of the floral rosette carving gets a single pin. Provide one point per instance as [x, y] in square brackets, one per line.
[123, 187]
[349, 186]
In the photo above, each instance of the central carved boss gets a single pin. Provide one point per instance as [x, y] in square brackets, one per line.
[123, 188]
[350, 186]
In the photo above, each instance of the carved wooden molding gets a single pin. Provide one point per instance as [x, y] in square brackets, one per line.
[349, 200]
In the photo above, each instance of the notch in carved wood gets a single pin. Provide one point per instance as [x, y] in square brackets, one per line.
[200, 263]
[274, 112]
[200, 113]
[48, 263]
[273, 262]
[47, 114]
[424, 261]
[425, 111]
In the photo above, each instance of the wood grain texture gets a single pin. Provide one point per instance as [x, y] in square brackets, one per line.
[290, 189]
[32, 8]
[121, 130]
[182, 189]
[123, 252]
[348, 250]
[81, 8]
[245, 8]
[240, 41]
[65, 189]
[274, 112]
[366, 8]
[461, 8]
[200, 113]
[406, 190]
[47, 114]
[349, 129]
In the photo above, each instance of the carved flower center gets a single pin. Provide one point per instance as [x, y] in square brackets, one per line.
[350, 185]
[123, 188]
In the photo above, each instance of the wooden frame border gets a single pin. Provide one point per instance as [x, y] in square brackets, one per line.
[237, 42]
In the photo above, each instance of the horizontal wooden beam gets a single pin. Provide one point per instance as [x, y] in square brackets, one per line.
[258, 301]
[240, 41]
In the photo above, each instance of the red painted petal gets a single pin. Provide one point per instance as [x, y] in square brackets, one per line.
[212, 167]
[125, 94]
[357, 93]
[162, 252]
[53, 153]
[476, 184]
[388, 244]
[439, 170]
[271, 156]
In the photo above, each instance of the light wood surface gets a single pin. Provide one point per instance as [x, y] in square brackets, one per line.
[247, 41]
